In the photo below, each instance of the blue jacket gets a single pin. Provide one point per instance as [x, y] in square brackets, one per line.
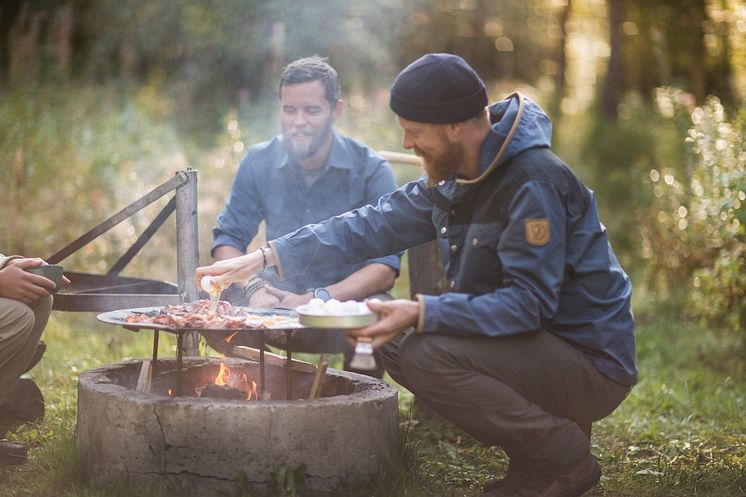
[522, 246]
[269, 187]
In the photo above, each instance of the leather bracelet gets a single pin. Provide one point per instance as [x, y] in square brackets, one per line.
[264, 258]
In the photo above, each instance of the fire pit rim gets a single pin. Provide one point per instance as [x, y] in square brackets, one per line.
[98, 379]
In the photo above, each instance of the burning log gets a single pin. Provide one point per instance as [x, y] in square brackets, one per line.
[229, 385]
[222, 392]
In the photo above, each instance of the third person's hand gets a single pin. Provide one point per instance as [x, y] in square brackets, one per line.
[289, 299]
[396, 317]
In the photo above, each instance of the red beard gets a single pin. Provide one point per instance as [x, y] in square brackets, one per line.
[441, 167]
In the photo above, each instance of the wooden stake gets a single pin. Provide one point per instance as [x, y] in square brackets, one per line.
[319, 378]
[145, 380]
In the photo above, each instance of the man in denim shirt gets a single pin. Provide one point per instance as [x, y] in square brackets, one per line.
[535, 338]
[307, 174]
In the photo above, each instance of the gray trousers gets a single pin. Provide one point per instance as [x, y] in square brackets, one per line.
[527, 394]
[21, 327]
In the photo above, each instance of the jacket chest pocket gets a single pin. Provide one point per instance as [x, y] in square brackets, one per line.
[483, 238]
[480, 263]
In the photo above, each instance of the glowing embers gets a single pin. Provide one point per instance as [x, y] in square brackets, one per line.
[229, 385]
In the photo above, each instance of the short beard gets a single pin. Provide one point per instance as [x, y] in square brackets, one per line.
[313, 147]
[443, 167]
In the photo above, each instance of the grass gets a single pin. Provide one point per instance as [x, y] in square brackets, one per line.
[681, 432]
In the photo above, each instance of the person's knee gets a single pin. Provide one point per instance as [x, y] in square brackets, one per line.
[418, 354]
[19, 318]
[44, 305]
[388, 353]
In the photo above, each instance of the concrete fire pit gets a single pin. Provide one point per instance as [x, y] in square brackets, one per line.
[200, 444]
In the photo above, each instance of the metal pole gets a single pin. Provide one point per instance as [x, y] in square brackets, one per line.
[155, 352]
[179, 361]
[261, 367]
[289, 369]
[187, 246]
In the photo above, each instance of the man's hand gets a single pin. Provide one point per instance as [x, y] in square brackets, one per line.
[289, 299]
[17, 284]
[225, 272]
[263, 298]
[396, 317]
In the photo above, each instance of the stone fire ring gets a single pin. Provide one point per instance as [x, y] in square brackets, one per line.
[200, 445]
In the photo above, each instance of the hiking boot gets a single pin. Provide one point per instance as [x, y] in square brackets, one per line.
[515, 476]
[12, 453]
[23, 404]
[41, 347]
[571, 481]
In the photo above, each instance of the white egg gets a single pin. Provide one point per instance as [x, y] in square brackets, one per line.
[206, 283]
[350, 307]
[334, 307]
[316, 306]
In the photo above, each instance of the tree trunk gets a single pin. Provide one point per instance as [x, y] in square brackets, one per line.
[695, 11]
[612, 84]
[559, 78]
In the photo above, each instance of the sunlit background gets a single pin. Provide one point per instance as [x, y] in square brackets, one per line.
[103, 100]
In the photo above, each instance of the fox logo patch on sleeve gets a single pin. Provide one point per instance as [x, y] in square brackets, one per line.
[537, 231]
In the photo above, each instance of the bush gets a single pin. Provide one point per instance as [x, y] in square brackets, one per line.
[697, 237]
[73, 156]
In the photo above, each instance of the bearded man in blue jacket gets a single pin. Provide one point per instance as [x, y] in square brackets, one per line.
[535, 338]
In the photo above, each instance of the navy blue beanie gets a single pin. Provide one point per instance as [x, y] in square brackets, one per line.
[438, 89]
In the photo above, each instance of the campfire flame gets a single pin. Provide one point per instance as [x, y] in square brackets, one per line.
[223, 376]
[251, 391]
[227, 378]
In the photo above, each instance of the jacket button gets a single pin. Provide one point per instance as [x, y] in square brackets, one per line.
[454, 248]
[452, 283]
[441, 182]
[474, 242]
[453, 212]
[443, 230]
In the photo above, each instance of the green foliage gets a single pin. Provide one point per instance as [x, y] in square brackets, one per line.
[614, 159]
[288, 482]
[698, 237]
[73, 156]
[243, 487]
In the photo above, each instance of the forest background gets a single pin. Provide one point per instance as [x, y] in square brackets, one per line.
[102, 100]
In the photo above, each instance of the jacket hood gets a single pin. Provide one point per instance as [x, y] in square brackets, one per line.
[518, 124]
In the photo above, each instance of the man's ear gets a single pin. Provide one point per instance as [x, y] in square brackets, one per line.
[339, 107]
[454, 130]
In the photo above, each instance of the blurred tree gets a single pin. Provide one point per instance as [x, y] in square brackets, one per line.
[685, 43]
[561, 53]
[207, 55]
[612, 82]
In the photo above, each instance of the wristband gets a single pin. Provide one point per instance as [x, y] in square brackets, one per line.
[252, 286]
[264, 258]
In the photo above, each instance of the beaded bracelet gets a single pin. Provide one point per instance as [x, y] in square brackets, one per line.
[252, 287]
